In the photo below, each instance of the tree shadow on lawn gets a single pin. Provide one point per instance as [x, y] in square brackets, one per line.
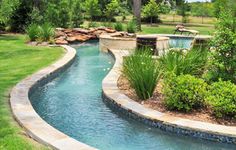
[8, 37]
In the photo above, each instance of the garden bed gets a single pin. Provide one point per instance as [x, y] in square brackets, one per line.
[156, 102]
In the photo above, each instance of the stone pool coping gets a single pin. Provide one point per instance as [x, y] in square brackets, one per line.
[26, 116]
[114, 97]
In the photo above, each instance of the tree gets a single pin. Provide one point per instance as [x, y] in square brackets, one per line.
[151, 10]
[182, 10]
[224, 43]
[76, 16]
[112, 9]
[7, 7]
[92, 8]
[201, 9]
[137, 13]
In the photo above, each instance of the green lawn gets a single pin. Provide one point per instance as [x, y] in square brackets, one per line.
[18, 60]
[169, 29]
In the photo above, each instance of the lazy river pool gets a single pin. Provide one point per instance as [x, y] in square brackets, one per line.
[72, 103]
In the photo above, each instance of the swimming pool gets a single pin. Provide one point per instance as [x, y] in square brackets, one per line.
[73, 104]
[180, 42]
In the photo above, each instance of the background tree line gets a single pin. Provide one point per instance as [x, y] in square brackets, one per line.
[16, 15]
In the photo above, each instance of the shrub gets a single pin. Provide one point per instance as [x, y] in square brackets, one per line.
[46, 32]
[33, 32]
[143, 73]
[180, 62]
[92, 25]
[107, 24]
[184, 92]
[224, 45]
[222, 97]
[131, 27]
[119, 26]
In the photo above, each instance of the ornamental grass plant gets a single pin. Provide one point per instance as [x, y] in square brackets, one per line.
[143, 73]
[180, 61]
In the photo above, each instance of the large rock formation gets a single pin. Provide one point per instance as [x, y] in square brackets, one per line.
[65, 36]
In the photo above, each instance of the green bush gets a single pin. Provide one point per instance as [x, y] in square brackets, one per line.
[119, 26]
[33, 32]
[143, 73]
[184, 92]
[131, 27]
[224, 45]
[191, 62]
[46, 32]
[107, 24]
[222, 97]
[93, 24]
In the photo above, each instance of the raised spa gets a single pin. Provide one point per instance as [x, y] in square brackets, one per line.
[72, 103]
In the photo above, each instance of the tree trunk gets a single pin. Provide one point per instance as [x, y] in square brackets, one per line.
[37, 3]
[137, 12]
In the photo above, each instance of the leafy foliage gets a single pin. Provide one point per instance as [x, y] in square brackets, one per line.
[7, 7]
[184, 92]
[46, 32]
[131, 27]
[222, 97]
[33, 32]
[224, 44]
[119, 26]
[92, 8]
[151, 10]
[143, 73]
[112, 9]
[76, 15]
[184, 62]
[36, 16]
[41, 33]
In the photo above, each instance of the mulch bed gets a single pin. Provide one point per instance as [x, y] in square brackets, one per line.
[156, 102]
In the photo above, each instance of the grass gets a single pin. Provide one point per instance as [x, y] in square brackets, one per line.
[18, 60]
[169, 29]
[166, 28]
[191, 19]
[170, 18]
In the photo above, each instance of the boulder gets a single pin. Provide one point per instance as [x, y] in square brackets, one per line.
[116, 34]
[101, 28]
[59, 33]
[62, 37]
[61, 41]
[82, 38]
[93, 36]
[92, 30]
[108, 30]
[71, 39]
[68, 30]
[80, 30]
[98, 33]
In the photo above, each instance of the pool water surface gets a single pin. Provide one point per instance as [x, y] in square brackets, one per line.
[73, 104]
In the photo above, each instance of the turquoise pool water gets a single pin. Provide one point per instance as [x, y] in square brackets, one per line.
[73, 104]
[180, 42]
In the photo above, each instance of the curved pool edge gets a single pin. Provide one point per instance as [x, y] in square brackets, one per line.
[25, 115]
[118, 101]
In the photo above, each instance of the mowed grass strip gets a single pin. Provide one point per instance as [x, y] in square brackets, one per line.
[169, 29]
[18, 60]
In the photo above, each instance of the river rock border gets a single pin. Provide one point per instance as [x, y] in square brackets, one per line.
[118, 101]
[26, 116]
